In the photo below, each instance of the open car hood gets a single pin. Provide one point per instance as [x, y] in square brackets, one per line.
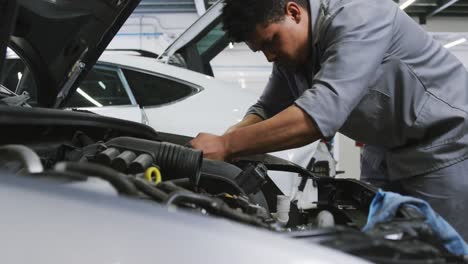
[60, 40]
[200, 43]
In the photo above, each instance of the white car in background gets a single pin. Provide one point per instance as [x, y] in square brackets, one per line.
[170, 99]
[165, 97]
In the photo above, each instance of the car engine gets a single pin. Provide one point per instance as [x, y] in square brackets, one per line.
[69, 148]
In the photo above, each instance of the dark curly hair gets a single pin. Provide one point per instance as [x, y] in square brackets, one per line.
[241, 16]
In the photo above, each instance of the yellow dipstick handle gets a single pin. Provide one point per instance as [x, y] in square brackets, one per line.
[153, 172]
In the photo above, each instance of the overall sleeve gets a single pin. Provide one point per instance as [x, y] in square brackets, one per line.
[355, 41]
[275, 98]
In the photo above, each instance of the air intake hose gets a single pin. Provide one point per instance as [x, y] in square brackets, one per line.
[174, 160]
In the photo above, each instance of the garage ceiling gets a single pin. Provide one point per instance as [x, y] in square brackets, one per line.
[424, 9]
[171, 6]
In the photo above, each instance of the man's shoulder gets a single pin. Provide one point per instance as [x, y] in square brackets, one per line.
[338, 16]
[359, 9]
[336, 5]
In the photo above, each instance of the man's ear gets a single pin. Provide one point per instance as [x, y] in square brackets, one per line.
[294, 11]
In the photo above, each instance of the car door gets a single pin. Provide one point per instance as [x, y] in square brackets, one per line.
[106, 92]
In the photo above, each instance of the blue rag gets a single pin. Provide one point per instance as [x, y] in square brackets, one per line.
[385, 205]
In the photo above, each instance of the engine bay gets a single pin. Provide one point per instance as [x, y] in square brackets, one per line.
[138, 163]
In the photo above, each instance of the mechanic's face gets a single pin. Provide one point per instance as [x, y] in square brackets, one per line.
[287, 41]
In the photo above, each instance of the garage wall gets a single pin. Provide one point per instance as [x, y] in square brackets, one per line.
[152, 32]
[446, 24]
[239, 65]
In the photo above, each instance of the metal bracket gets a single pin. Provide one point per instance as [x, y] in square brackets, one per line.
[72, 76]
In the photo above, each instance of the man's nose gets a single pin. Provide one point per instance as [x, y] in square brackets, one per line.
[271, 57]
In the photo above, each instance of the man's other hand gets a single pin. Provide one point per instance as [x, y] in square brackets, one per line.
[213, 147]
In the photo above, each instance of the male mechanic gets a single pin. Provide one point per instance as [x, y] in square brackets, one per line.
[365, 69]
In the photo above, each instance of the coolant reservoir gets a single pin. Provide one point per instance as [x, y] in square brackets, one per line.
[283, 205]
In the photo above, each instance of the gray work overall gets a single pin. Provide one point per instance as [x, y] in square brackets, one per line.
[377, 77]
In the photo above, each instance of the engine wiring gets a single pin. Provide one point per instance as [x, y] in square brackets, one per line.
[151, 186]
[220, 195]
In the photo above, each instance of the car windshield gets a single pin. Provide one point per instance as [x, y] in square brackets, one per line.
[211, 39]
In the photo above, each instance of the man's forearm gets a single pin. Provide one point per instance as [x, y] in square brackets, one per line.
[289, 129]
[247, 121]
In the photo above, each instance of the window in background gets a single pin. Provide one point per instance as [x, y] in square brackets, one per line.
[151, 90]
[101, 87]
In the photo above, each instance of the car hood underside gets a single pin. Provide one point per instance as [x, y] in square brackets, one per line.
[61, 40]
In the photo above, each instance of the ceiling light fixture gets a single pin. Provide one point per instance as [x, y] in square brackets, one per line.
[406, 4]
[103, 86]
[89, 98]
[455, 43]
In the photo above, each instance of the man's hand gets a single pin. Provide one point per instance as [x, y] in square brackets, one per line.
[291, 128]
[213, 147]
